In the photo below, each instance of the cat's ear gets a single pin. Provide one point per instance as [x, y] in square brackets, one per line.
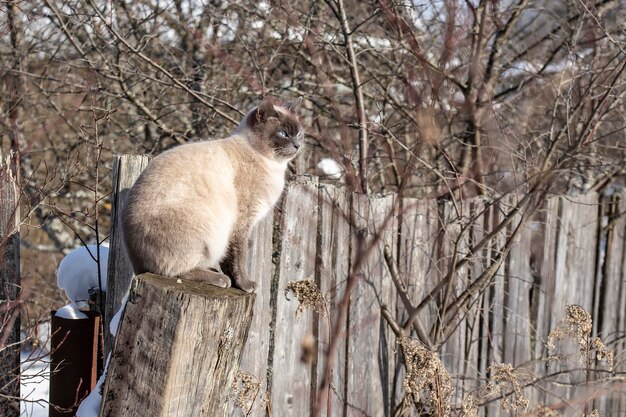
[293, 106]
[265, 110]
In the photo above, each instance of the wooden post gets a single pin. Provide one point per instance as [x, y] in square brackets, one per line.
[74, 361]
[126, 170]
[177, 350]
[9, 294]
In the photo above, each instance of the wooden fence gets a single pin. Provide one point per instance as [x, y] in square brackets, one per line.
[572, 252]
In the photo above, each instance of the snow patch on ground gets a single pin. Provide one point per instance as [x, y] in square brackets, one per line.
[34, 383]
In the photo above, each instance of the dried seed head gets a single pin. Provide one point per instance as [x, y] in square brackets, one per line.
[246, 388]
[308, 295]
[577, 323]
[603, 354]
[504, 379]
[469, 408]
[426, 377]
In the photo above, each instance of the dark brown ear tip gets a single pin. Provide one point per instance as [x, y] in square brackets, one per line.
[267, 103]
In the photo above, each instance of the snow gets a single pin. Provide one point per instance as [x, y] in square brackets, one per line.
[78, 273]
[330, 168]
[90, 406]
[70, 312]
[115, 321]
[35, 374]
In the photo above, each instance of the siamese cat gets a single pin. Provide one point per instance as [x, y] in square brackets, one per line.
[194, 206]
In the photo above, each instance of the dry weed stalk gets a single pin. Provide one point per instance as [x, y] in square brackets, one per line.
[246, 388]
[426, 377]
[509, 382]
[469, 406]
[578, 323]
[308, 295]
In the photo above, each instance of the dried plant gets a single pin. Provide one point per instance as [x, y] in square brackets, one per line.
[603, 354]
[469, 406]
[246, 388]
[308, 295]
[426, 378]
[508, 381]
[577, 323]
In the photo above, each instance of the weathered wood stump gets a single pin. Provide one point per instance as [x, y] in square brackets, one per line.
[177, 350]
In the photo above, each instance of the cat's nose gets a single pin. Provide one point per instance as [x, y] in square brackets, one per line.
[296, 145]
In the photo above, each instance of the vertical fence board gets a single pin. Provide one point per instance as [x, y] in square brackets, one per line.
[454, 247]
[609, 300]
[333, 262]
[620, 324]
[517, 308]
[255, 354]
[572, 271]
[473, 321]
[491, 305]
[418, 222]
[291, 378]
[9, 294]
[126, 170]
[371, 346]
[417, 240]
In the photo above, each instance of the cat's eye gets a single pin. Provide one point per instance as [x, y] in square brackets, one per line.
[283, 134]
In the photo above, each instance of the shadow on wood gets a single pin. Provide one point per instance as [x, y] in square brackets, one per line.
[177, 350]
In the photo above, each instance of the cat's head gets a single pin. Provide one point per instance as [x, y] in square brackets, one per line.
[274, 130]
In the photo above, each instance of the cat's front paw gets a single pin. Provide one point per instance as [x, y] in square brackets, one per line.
[243, 283]
[238, 276]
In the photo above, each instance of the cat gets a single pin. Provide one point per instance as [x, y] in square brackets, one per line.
[193, 207]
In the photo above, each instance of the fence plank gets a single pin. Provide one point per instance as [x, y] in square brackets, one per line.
[454, 246]
[292, 380]
[371, 345]
[333, 262]
[618, 403]
[518, 283]
[254, 358]
[418, 230]
[126, 170]
[573, 272]
[609, 300]
[9, 294]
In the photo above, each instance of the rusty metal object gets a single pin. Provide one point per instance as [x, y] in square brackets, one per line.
[76, 360]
